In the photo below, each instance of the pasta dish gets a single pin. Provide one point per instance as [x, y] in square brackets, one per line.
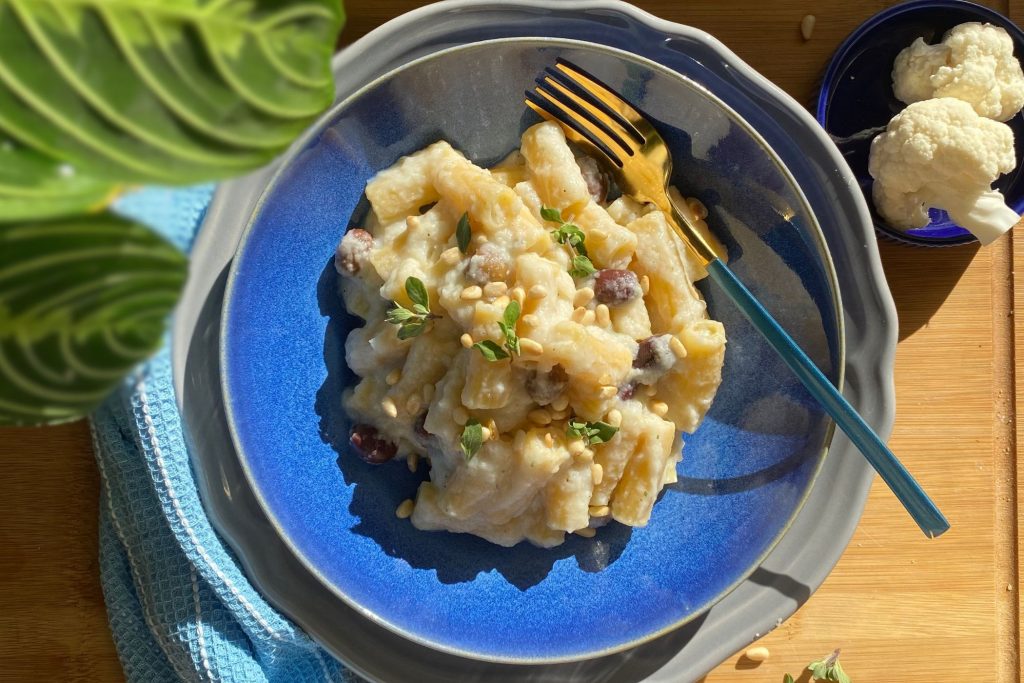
[540, 347]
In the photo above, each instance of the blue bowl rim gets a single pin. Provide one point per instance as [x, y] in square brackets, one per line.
[283, 164]
[855, 36]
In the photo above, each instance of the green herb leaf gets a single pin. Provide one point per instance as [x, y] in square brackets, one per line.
[549, 214]
[788, 679]
[472, 438]
[411, 329]
[829, 669]
[463, 233]
[511, 315]
[490, 350]
[582, 267]
[420, 309]
[82, 302]
[417, 292]
[398, 315]
[601, 432]
[591, 432]
[572, 235]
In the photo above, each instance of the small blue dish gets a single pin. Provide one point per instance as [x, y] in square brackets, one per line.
[745, 473]
[856, 95]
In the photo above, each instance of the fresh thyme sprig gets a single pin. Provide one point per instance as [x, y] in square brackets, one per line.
[591, 432]
[825, 669]
[412, 322]
[490, 349]
[571, 236]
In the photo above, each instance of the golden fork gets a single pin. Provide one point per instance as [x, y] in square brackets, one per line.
[598, 119]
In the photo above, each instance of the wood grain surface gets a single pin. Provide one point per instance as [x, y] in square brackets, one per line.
[902, 608]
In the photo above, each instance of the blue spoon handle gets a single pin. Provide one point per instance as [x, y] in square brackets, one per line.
[892, 471]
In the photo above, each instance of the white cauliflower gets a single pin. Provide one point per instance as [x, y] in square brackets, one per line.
[940, 153]
[974, 63]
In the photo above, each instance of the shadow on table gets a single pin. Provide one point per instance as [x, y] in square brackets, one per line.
[921, 279]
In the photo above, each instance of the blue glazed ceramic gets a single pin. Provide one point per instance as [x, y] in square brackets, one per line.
[744, 475]
[856, 95]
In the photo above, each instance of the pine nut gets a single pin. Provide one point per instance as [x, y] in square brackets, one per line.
[527, 345]
[518, 295]
[560, 403]
[603, 315]
[585, 532]
[404, 510]
[597, 475]
[599, 510]
[549, 440]
[530, 320]
[577, 315]
[576, 447]
[471, 293]
[659, 408]
[677, 347]
[393, 378]
[451, 256]
[493, 290]
[538, 292]
[588, 318]
[757, 654]
[466, 340]
[645, 284]
[539, 417]
[609, 391]
[615, 418]
[583, 297]
[389, 407]
[414, 404]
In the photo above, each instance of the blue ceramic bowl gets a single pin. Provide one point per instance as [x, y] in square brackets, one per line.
[745, 474]
[856, 95]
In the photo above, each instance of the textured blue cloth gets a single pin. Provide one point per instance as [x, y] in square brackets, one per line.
[179, 605]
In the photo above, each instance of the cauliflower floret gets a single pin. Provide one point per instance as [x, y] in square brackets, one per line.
[940, 153]
[974, 63]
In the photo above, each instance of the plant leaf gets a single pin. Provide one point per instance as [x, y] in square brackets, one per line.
[472, 438]
[601, 432]
[549, 214]
[82, 301]
[581, 267]
[175, 92]
[511, 315]
[34, 186]
[411, 329]
[788, 679]
[417, 292]
[490, 350]
[398, 315]
[463, 233]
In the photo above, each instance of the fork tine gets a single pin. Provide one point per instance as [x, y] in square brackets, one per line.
[607, 99]
[555, 110]
[622, 137]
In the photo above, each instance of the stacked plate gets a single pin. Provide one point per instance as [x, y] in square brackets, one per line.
[416, 614]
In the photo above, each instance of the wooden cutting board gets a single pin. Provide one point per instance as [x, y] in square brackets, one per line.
[901, 607]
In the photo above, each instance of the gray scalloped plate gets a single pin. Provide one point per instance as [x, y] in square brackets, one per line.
[806, 553]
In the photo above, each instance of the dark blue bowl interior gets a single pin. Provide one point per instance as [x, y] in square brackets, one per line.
[856, 95]
[745, 472]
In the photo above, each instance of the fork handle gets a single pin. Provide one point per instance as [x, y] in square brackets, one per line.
[892, 471]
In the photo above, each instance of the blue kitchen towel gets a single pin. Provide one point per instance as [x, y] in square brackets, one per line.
[179, 604]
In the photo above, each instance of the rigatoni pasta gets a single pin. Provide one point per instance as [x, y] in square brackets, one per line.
[539, 346]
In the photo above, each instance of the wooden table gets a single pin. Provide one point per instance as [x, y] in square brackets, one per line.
[901, 607]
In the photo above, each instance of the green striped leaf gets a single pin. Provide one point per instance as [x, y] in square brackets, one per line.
[34, 186]
[82, 301]
[163, 91]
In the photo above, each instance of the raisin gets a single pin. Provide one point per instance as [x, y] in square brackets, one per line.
[545, 387]
[353, 251]
[654, 354]
[488, 264]
[614, 287]
[370, 446]
[596, 179]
